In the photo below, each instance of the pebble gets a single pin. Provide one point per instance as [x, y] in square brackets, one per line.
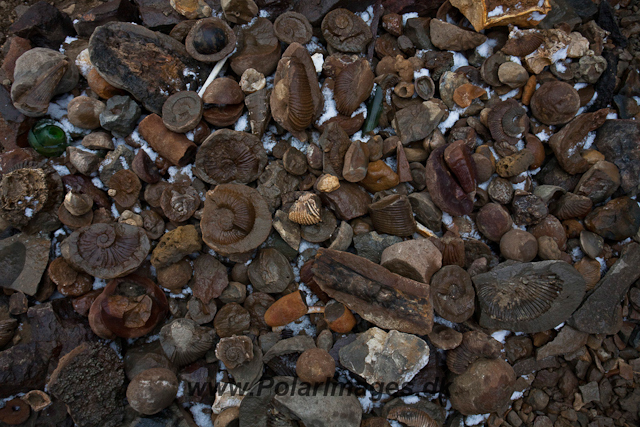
[120, 115]
[416, 259]
[372, 245]
[84, 112]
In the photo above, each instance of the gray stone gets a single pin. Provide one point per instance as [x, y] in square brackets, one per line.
[538, 399]
[590, 392]
[385, 358]
[342, 238]
[120, 116]
[416, 259]
[118, 159]
[44, 25]
[417, 121]
[619, 141]
[270, 271]
[601, 313]
[522, 284]
[287, 229]
[371, 245]
[23, 259]
[426, 211]
[86, 162]
[567, 341]
[417, 29]
[98, 141]
[276, 182]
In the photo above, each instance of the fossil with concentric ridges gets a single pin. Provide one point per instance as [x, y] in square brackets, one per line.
[508, 121]
[393, 215]
[475, 344]
[353, 86]
[306, 210]
[411, 417]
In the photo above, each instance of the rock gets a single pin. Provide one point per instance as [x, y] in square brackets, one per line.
[149, 65]
[385, 358]
[485, 387]
[84, 161]
[348, 201]
[538, 399]
[209, 278]
[114, 10]
[175, 245]
[276, 182]
[23, 259]
[318, 410]
[74, 382]
[425, 210]
[44, 25]
[417, 30]
[175, 147]
[416, 122]
[617, 220]
[415, 259]
[379, 177]
[601, 311]
[152, 390]
[599, 182]
[13, 48]
[84, 112]
[288, 230]
[590, 392]
[447, 36]
[270, 271]
[158, 14]
[359, 284]
[98, 141]
[120, 115]
[342, 239]
[13, 124]
[619, 141]
[542, 295]
[371, 245]
[20, 371]
[115, 161]
[567, 341]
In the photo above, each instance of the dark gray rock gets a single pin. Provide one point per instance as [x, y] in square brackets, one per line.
[158, 14]
[417, 29]
[44, 25]
[371, 245]
[567, 341]
[114, 10]
[590, 392]
[528, 297]
[120, 115]
[115, 161]
[23, 259]
[619, 141]
[601, 313]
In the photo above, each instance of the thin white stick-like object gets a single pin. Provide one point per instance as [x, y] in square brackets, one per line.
[213, 75]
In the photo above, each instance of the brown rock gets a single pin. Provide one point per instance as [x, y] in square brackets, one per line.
[101, 87]
[175, 245]
[315, 366]
[447, 36]
[175, 147]
[348, 202]
[599, 182]
[493, 221]
[17, 46]
[84, 112]
[567, 341]
[485, 387]
[518, 245]
[414, 259]
[617, 220]
[379, 177]
[152, 390]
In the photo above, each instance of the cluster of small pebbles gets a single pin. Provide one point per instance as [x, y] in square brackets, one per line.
[321, 213]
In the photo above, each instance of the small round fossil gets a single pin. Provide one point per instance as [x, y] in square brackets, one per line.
[182, 111]
[15, 412]
[210, 40]
[293, 27]
[152, 390]
[184, 341]
[234, 351]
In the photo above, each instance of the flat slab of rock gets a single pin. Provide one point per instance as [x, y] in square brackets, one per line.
[149, 65]
[385, 358]
[601, 313]
[567, 341]
[619, 141]
[23, 259]
[383, 298]
[528, 297]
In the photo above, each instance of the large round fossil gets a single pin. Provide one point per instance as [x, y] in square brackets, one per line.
[528, 297]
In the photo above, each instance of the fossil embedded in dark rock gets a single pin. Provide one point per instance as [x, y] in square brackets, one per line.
[184, 341]
[379, 296]
[353, 86]
[618, 141]
[452, 293]
[528, 297]
[345, 31]
[182, 111]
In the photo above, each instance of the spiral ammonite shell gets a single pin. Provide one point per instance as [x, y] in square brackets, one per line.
[236, 219]
[106, 251]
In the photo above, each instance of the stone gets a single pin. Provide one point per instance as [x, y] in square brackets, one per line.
[147, 64]
[416, 259]
[23, 259]
[14, 126]
[538, 399]
[20, 371]
[175, 147]
[379, 177]
[209, 278]
[590, 392]
[371, 245]
[417, 30]
[84, 112]
[523, 284]
[98, 141]
[342, 239]
[74, 382]
[158, 14]
[601, 312]
[44, 25]
[13, 49]
[485, 387]
[270, 271]
[175, 245]
[84, 161]
[118, 159]
[114, 10]
[567, 341]
[599, 182]
[447, 36]
[385, 358]
[617, 220]
[383, 298]
[425, 210]
[288, 230]
[120, 115]
[619, 141]
[275, 182]
[416, 122]
[348, 201]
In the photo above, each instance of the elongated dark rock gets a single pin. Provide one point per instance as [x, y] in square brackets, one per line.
[386, 299]
[601, 312]
[528, 297]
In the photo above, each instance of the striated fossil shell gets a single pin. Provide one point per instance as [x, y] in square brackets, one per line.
[234, 351]
[572, 205]
[475, 344]
[590, 270]
[452, 293]
[490, 67]
[490, 13]
[230, 156]
[306, 210]
[393, 215]
[106, 250]
[508, 121]
[425, 87]
[239, 11]
[293, 27]
[179, 202]
[124, 187]
[353, 86]
[7, 329]
[452, 250]
[184, 341]
[296, 99]
[236, 219]
[445, 338]
[345, 31]
[522, 43]
[411, 417]
[39, 75]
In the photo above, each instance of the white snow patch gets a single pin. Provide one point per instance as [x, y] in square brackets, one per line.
[517, 395]
[242, 125]
[330, 110]
[98, 283]
[367, 15]
[175, 171]
[454, 115]
[459, 60]
[61, 169]
[485, 50]
[496, 12]
[510, 94]
[473, 420]
[409, 400]
[420, 73]
[500, 336]
[318, 60]
[201, 418]
[543, 135]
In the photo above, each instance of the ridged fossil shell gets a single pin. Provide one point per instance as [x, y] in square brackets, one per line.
[184, 341]
[106, 250]
[411, 417]
[475, 344]
[7, 329]
[508, 121]
[306, 210]
[300, 102]
[230, 156]
[490, 66]
[234, 351]
[452, 293]
[345, 31]
[523, 44]
[393, 215]
[590, 270]
[353, 86]
[452, 250]
[572, 205]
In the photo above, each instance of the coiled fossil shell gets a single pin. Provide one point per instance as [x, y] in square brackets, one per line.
[179, 202]
[475, 344]
[293, 27]
[306, 210]
[393, 215]
[452, 293]
[106, 250]
[236, 219]
[184, 341]
[353, 86]
[508, 121]
[234, 351]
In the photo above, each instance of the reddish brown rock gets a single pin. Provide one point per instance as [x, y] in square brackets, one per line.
[175, 147]
[415, 259]
[379, 177]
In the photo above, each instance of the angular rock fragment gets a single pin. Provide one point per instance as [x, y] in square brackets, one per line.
[567, 341]
[528, 297]
[23, 259]
[619, 141]
[415, 259]
[384, 358]
[379, 296]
